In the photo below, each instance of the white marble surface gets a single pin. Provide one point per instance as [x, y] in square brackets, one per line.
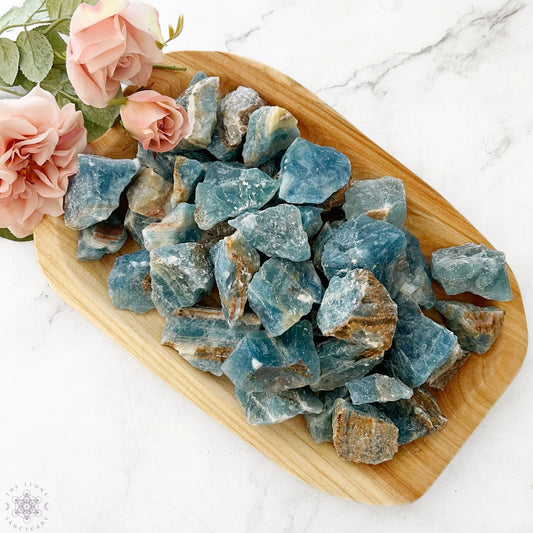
[445, 87]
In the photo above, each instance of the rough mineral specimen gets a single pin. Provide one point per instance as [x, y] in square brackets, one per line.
[370, 244]
[129, 282]
[135, 224]
[263, 408]
[179, 226]
[230, 189]
[310, 174]
[417, 417]
[441, 376]
[420, 345]
[282, 292]
[472, 268]
[187, 174]
[202, 336]
[317, 247]
[106, 237]
[162, 163]
[181, 276]
[362, 433]
[149, 194]
[377, 388]
[275, 231]
[234, 114]
[382, 199]
[94, 192]
[235, 262]
[476, 327]
[311, 219]
[270, 130]
[357, 308]
[320, 424]
[262, 363]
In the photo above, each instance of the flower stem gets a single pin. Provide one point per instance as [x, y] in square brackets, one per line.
[9, 91]
[121, 100]
[55, 24]
[169, 67]
[11, 26]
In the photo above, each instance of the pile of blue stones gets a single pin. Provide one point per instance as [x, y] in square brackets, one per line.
[306, 310]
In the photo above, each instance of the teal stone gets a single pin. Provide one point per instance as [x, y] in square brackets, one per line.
[317, 246]
[342, 361]
[416, 417]
[202, 336]
[370, 244]
[282, 292]
[106, 237]
[377, 388]
[472, 268]
[177, 227]
[311, 219]
[94, 192]
[274, 364]
[129, 282]
[149, 194]
[199, 75]
[420, 345]
[265, 408]
[135, 225]
[181, 276]
[235, 262]
[382, 199]
[442, 375]
[187, 174]
[477, 328]
[270, 130]
[275, 231]
[230, 189]
[320, 424]
[310, 173]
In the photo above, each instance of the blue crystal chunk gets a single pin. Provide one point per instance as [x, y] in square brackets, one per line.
[135, 224]
[162, 163]
[377, 388]
[149, 194]
[106, 237]
[382, 199]
[230, 189]
[441, 376]
[320, 424]
[187, 174]
[94, 192]
[310, 174]
[202, 336]
[181, 276]
[275, 231]
[282, 292]
[262, 363]
[472, 268]
[311, 219]
[270, 130]
[317, 247]
[129, 282]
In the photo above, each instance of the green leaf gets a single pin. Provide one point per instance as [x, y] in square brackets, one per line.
[36, 55]
[6, 234]
[23, 82]
[98, 121]
[59, 44]
[9, 60]
[22, 14]
[52, 82]
[64, 8]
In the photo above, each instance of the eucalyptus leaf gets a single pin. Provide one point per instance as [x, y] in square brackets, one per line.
[6, 234]
[98, 121]
[21, 14]
[9, 61]
[36, 55]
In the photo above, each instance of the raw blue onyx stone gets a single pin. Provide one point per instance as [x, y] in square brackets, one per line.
[230, 189]
[320, 424]
[202, 336]
[149, 194]
[270, 130]
[476, 327]
[187, 174]
[94, 192]
[235, 262]
[200, 100]
[441, 376]
[135, 224]
[317, 246]
[416, 417]
[310, 173]
[265, 408]
[311, 219]
[181, 276]
[262, 363]
[232, 123]
[420, 345]
[198, 76]
[129, 282]
[377, 388]
[370, 244]
[179, 226]
[275, 231]
[472, 268]
[106, 237]
[342, 361]
[282, 292]
[382, 199]
[418, 283]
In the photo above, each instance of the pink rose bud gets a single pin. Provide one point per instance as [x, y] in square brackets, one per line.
[111, 42]
[156, 121]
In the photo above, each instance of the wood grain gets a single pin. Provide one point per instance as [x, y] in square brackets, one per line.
[465, 402]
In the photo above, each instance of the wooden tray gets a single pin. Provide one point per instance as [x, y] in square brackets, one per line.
[465, 402]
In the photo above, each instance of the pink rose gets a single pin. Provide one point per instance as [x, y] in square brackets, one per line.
[39, 147]
[156, 121]
[111, 42]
